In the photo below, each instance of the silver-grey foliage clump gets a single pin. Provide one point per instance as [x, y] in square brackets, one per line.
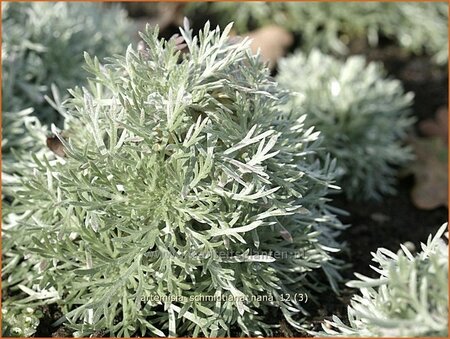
[362, 115]
[409, 299]
[22, 134]
[186, 196]
[43, 44]
[419, 27]
[19, 323]
[42, 52]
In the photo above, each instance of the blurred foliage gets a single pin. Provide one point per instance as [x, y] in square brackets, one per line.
[362, 115]
[408, 299]
[22, 133]
[43, 44]
[417, 26]
[19, 322]
[42, 53]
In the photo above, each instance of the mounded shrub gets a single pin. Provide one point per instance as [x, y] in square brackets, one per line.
[362, 114]
[189, 200]
[408, 299]
[42, 53]
[43, 44]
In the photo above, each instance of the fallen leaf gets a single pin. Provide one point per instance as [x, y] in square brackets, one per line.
[56, 146]
[273, 42]
[431, 173]
[437, 127]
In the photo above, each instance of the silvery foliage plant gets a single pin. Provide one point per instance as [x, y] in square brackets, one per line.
[362, 114]
[418, 27]
[19, 323]
[42, 52]
[188, 202]
[43, 44]
[408, 299]
[22, 133]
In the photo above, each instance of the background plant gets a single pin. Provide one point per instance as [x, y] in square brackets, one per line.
[170, 158]
[362, 114]
[19, 323]
[408, 299]
[418, 27]
[43, 44]
[42, 52]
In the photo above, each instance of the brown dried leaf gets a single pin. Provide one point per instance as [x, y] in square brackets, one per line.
[437, 127]
[431, 173]
[56, 146]
[273, 42]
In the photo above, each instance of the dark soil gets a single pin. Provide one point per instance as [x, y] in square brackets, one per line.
[388, 224]
[45, 329]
